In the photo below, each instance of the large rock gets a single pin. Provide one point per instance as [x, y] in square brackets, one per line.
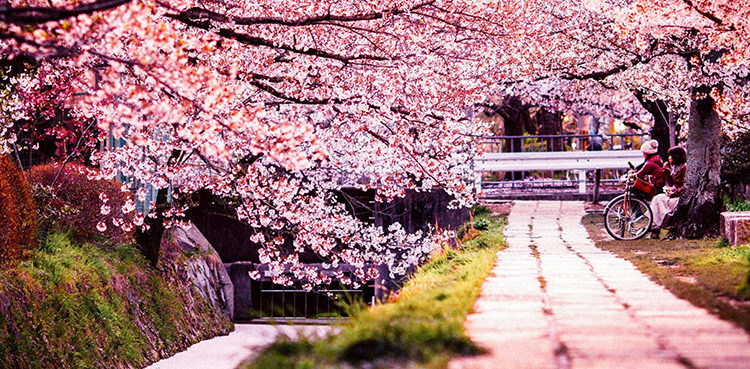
[735, 227]
[190, 255]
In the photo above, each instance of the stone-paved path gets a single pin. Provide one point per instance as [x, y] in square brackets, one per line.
[554, 300]
[227, 352]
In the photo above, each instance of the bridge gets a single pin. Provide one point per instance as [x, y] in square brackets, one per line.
[514, 166]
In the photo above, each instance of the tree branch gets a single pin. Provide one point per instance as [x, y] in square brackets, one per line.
[30, 15]
[205, 23]
[257, 41]
[601, 75]
[707, 15]
[197, 14]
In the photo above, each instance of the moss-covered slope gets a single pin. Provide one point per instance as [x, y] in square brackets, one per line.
[86, 306]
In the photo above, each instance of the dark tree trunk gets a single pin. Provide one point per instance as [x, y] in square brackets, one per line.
[697, 214]
[660, 133]
[515, 116]
[516, 119]
[149, 240]
[550, 123]
[663, 130]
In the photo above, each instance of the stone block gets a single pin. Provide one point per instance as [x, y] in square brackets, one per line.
[735, 227]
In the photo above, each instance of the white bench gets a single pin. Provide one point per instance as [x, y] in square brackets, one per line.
[556, 160]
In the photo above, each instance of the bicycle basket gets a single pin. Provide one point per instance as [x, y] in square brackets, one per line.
[645, 187]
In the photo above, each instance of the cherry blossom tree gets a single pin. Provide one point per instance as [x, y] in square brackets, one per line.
[712, 39]
[275, 105]
[35, 117]
[677, 59]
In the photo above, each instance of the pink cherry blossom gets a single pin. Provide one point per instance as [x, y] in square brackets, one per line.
[276, 107]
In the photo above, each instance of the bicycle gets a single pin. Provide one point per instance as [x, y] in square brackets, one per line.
[628, 216]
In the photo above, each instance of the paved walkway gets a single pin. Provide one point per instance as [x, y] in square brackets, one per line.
[226, 352]
[554, 300]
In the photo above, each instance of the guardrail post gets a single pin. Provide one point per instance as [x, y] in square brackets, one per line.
[597, 180]
[582, 181]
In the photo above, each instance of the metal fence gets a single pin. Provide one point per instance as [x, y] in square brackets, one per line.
[264, 300]
[276, 301]
[536, 143]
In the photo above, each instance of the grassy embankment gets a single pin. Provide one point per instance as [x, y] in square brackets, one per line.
[421, 327]
[708, 273]
[92, 306]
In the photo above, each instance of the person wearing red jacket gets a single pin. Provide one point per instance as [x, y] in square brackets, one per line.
[665, 203]
[652, 166]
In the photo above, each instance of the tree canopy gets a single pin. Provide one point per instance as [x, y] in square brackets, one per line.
[276, 105]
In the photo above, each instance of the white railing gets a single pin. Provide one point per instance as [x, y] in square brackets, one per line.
[578, 162]
[556, 160]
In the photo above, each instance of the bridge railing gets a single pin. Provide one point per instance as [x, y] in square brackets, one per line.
[556, 162]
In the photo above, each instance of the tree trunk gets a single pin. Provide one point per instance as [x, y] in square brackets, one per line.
[516, 118]
[550, 123]
[697, 214]
[672, 129]
[663, 130]
[660, 133]
[149, 240]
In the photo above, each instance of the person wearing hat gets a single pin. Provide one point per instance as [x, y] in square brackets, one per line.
[652, 169]
[652, 166]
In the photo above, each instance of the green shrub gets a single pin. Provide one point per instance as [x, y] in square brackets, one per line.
[738, 205]
[461, 231]
[481, 224]
[744, 289]
[722, 243]
[18, 224]
[735, 160]
[480, 210]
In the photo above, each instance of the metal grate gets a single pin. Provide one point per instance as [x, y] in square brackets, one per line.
[278, 301]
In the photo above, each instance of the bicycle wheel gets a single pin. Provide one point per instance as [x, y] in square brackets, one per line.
[627, 222]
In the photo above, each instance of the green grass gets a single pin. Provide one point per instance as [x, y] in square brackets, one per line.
[739, 205]
[422, 327]
[708, 272]
[88, 306]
